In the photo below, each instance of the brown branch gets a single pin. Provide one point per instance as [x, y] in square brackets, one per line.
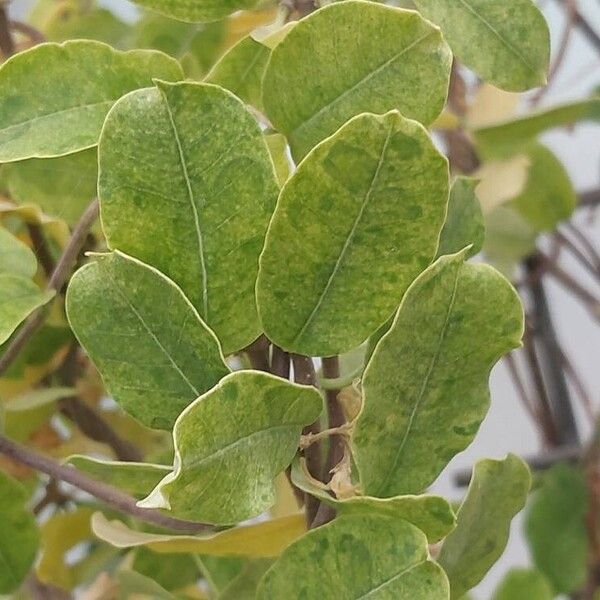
[35, 35]
[304, 373]
[40, 248]
[580, 256]
[258, 354]
[56, 282]
[7, 44]
[108, 494]
[586, 243]
[280, 362]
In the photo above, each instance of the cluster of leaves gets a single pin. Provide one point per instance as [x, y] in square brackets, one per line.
[291, 192]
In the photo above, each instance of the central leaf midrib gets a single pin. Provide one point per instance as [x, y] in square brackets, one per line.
[389, 581]
[190, 193]
[506, 42]
[359, 83]
[425, 385]
[348, 241]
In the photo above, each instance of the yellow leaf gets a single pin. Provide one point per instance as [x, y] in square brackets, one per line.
[491, 105]
[501, 181]
[264, 539]
[285, 503]
[446, 120]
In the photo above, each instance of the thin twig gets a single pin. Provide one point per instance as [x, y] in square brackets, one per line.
[584, 260]
[40, 248]
[7, 44]
[585, 242]
[513, 370]
[111, 496]
[56, 282]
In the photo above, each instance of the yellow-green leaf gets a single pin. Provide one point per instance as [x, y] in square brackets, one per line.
[231, 443]
[506, 42]
[154, 352]
[329, 69]
[197, 10]
[187, 185]
[354, 225]
[353, 557]
[264, 539]
[16, 258]
[54, 97]
[426, 388]
[497, 492]
[431, 514]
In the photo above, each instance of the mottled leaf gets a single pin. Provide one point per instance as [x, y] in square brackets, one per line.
[353, 557]
[278, 149]
[555, 527]
[548, 197]
[190, 163]
[231, 443]
[464, 222]
[20, 537]
[62, 187]
[354, 225]
[328, 69]
[154, 352]
[524, 584]
[137, 479]
[504, 138]
[497, 492]
[54, 97]
[506, 42]
[264, 539]
[197, 10]
[426, 388]
[18, 298]
[16, 258]
[431, 514]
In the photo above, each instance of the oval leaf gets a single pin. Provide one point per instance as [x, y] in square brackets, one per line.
[20, 536]
[19, 297]
[354, 225]
[431, 514]
[195, 11]
[264, 539]
[54, 97]
[187, 185]
[328, 70]
[524, 584]
[152, 349]
[426, 388]
[506, 42]
[497, 492]
[353, 557]
[231, 443]
[16, 258]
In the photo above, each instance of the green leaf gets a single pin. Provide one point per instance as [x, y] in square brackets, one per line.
[263, 539]
[20, 536]
[509, 137]
[524, 584]
[16, 258]
[355, 224]
[198, 43]
[80, 19]
[171, 571]
[62, 187]
[154, 352]
[361, 556]
[426, 388]
[18, 298]
[555, 528]
[548, 197]
[197, 10]
[464, 222]
[241, 70]
[431, 514]
[187, 185]
[137, 479]
[497, 492]
[328, 69]
[54, 97]
[231, 443]
[244, 586]
[506, 42]
[278, 148]
[136, 585]
[508, 239]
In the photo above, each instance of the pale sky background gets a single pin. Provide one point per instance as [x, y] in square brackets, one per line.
[507, 428]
